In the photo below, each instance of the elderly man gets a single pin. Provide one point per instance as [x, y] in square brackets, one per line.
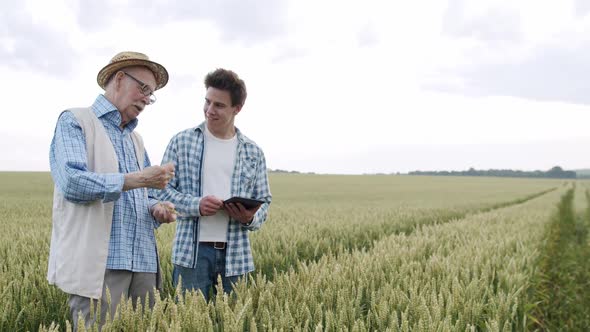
[103, 219]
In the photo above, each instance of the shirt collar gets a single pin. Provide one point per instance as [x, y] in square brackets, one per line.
[201, 128]
[102, 107]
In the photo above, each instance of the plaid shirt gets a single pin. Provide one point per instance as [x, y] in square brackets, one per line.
[249, 179]
[132, 244]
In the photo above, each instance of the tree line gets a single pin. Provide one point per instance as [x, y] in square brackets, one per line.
[555, 173]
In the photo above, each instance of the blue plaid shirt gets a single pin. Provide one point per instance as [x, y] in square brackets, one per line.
[132, 245]
[249, 179]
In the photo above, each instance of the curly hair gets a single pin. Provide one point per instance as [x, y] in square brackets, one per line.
[227, 80]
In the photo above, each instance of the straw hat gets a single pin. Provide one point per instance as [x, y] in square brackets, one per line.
[128, 59]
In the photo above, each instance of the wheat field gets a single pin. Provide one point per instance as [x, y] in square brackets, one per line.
[338, 253]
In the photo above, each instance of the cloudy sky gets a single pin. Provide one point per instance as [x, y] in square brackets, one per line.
[334, 86]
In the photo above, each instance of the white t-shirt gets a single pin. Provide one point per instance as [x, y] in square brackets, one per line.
[218, 166]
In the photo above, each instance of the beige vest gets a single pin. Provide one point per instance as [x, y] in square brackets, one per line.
[81, 232]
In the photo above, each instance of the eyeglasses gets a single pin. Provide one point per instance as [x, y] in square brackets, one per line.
[144, 88]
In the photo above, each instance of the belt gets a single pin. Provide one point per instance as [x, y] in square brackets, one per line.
[216, 245]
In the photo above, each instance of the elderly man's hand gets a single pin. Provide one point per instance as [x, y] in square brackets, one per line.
[156, 177]
[164, 212]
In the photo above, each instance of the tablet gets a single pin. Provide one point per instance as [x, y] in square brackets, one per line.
[248, 203]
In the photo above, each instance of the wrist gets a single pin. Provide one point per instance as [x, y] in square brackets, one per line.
[248, 223]
[134, 180]
[152, 208]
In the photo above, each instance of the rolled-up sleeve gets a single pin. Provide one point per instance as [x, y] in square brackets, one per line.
[261, 190]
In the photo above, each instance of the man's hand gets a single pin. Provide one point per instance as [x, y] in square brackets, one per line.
[156, 177]
[238, 212]
[164, 212]
[209, 205]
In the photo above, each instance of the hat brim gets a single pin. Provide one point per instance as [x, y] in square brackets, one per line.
[160, 73]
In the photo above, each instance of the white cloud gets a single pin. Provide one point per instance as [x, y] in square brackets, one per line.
[334, 86]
